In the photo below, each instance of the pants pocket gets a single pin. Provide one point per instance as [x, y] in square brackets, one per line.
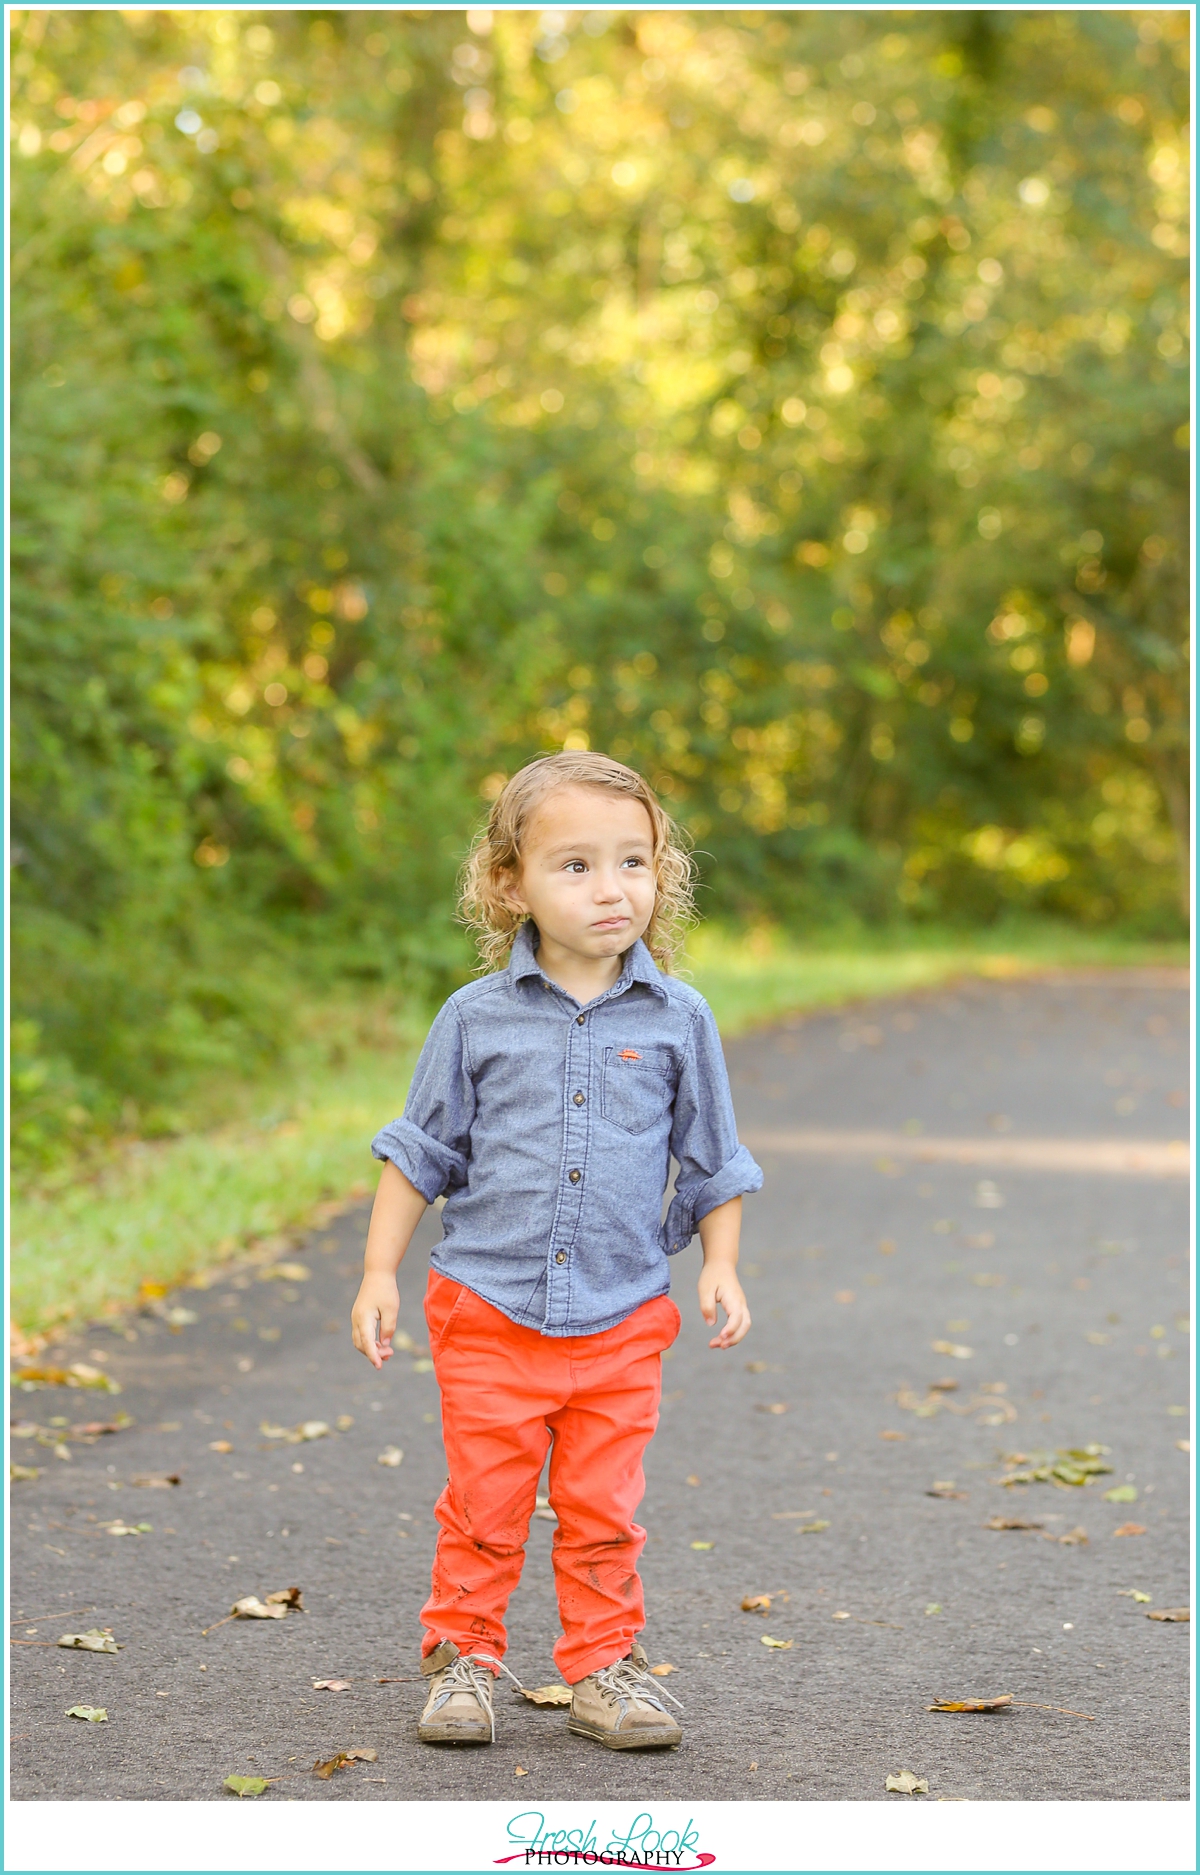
[443, 1301]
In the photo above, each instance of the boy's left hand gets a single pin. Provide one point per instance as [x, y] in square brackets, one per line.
[722, 1286]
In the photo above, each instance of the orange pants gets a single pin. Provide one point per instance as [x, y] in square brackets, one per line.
[510, 1394]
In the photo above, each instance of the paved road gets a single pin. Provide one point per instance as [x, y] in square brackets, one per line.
[1066, 1274]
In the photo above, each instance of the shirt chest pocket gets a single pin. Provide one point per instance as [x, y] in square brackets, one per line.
[638, 1087]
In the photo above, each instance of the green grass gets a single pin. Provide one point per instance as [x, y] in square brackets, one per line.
[295, 1144]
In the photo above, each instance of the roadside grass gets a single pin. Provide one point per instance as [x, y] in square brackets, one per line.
[292, 1146]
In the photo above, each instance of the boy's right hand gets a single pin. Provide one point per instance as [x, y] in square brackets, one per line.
[377, 1302]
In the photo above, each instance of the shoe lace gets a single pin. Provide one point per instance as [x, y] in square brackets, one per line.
[627, 1681]
[472, 1673]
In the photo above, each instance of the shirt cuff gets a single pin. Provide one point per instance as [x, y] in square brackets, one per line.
[736, 1178]
[424, 1161]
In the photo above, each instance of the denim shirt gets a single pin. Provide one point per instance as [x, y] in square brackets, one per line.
[550, 1125]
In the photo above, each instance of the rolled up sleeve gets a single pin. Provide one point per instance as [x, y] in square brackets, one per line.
[713, 1166]
[430, 1143]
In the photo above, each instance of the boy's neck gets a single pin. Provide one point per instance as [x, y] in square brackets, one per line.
[584, 978]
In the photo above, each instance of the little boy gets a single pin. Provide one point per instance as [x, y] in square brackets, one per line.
[547, 1103]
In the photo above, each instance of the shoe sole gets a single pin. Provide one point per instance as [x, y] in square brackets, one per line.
[445, 1735]
[641, 1740]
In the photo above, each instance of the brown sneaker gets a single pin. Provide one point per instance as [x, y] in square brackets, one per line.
[458, 1710]
[621, 1707]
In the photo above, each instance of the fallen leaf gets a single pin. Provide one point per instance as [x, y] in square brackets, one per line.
[249, 1608]
[289, 1598]
[117, 1528]
[812, 1529]
[944, 1386]
[1183, 1445]
[906, 1782]
[661, 1671]
[284, 1273]
[757, 1604]
[344, 1421]
[702, 1546]
[246, 1786]
[96, 1428]
[520, 1771]
[933, 1608]
[391, 1455]
[1121, 1494]
[556, 1694]
[24, 1474]
[781, 1645]
[1011, 1523]
[355, 1755]
[972, 1705]
[219, 1445]
[95, 1715]
[944, 1487]
[181, 1318]
[1076, 1536]
[1134, 1595]
[296, 1435]
[954, 1349]
[1130, 1529]
[756, 1367]
[77, 1375]
[691, 1479]
[842, 1614]
[780, 1406]
[1169, 1614]
[331, 1686]
[154, 1484]
[94, 1641]
[782, 1516]
[888, 1434]
[422, 1367]
[1074, 1466]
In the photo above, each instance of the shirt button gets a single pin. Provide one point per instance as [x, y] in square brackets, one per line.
[575, 1176]
[579, 1020]
[578, 1098]
[561, 1257]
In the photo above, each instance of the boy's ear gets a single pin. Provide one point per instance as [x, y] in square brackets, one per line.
[509, 891]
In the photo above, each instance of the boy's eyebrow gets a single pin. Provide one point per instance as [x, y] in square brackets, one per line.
[582, 846]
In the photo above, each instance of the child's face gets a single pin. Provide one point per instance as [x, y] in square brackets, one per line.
[587, 875]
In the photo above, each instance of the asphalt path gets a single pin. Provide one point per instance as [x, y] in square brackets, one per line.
[988, 1167]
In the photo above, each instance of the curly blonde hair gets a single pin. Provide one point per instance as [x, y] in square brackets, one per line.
[496, 855]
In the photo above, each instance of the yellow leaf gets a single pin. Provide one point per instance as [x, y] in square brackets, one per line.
[702, 1546]
[768, 1642]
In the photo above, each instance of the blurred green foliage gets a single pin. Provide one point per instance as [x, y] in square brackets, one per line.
[792, 404]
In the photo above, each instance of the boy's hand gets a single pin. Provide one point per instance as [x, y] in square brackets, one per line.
[378, 1301]
[718, 1285]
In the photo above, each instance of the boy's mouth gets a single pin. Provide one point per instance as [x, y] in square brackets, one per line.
[610, 924]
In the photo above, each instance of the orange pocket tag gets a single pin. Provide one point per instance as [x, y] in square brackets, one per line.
[629, 1054]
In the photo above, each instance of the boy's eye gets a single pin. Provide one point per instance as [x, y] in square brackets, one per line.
[575, 865]
[633, 860]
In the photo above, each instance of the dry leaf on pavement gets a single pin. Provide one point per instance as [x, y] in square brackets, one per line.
[355, 1755]
[284, 1272]
[290, 1598]
[296, 1435]
[94, 1641]
[556, 1694]
[1135, 1595]
[944, 1487]
[757, 1604]
[95, 1715]
[391, 1456]
[153, 1483]
[1130, 1529]
[906, 1782]
[664, 1667]
[1011, 1523]
[812, 1529]
[887, 1433]
[702, 1546]
[119, 1528]
[1169, 1614]
[246, 1786]
[1070, 1466]
[997, 1704]
[331, 1686]
[219, 1445]
[768, 1642]
[1073, 1537]
[520, 1771]
[24, 1474]
[249, 1608]
[779, 1406]
[1121, 1494]
[954, 1349]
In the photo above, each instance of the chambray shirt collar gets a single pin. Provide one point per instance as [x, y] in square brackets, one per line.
[638, 967]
